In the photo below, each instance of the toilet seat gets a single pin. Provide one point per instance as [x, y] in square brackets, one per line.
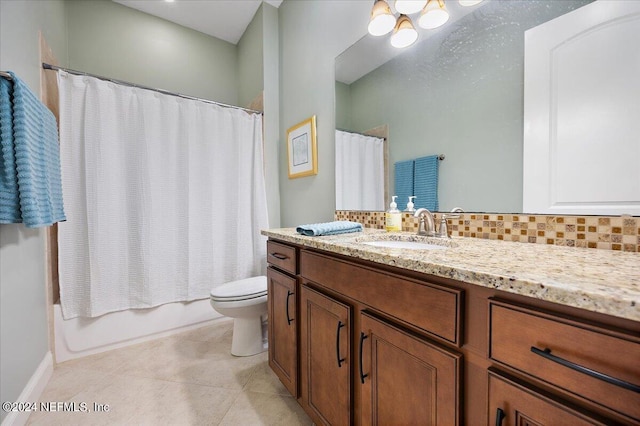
[250, 288]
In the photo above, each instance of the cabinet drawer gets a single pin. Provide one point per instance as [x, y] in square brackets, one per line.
[430, 307]
[554, 348]
[282, 256]
[511, 402]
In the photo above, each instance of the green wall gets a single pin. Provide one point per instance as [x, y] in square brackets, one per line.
[271, 71]
[113, 40]
[312, 34]
[343, 106]
[250, 58]
[24, 334]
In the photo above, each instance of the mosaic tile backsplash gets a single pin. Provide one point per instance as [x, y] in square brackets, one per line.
[601, 232]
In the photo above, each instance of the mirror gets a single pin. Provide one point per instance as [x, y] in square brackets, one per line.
[458, 92]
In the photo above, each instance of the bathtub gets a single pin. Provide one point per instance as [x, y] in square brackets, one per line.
[80, 337]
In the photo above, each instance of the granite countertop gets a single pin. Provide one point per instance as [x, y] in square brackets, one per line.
[602, 281]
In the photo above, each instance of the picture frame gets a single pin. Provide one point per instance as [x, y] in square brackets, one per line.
[302, 152]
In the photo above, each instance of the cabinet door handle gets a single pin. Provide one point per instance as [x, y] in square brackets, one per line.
[362, 375]
[279, 256]
[546, 353]
[340, 360]
[289, 319]
[500, 416]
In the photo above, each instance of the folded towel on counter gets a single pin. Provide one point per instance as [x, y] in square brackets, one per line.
[329, 228]
[30, 130]
[425, 182]
[404, 172]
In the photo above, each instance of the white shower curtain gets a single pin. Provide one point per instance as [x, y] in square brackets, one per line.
[359, 172]
[165, 197]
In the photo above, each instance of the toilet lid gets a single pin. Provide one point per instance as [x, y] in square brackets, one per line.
[242, 289]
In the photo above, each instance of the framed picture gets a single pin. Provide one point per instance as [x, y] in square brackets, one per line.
[301, 149]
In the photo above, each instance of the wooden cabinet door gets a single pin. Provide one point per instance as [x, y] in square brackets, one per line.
[511, 403]
[325, 357]
[283, 337]
[406, 379]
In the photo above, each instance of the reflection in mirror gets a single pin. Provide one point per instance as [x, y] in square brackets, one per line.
[360, 171]
[458, 92]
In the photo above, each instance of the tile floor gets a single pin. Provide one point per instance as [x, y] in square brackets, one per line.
[186, 379]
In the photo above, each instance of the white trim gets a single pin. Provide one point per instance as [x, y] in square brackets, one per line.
[581, 143]
[32, 391]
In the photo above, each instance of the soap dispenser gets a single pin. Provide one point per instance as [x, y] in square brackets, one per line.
[393, 217]
[410, 208]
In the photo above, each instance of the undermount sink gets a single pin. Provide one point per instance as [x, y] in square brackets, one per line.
[406, 241]
[413, 245]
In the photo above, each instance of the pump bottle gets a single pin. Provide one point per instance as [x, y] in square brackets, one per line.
[393, 217]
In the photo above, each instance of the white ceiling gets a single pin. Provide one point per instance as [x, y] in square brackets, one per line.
[223, 19]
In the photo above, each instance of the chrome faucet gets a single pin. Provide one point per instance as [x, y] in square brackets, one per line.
[443, 231]
[427, 224]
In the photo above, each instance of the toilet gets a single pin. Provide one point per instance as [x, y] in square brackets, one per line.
[246, 302]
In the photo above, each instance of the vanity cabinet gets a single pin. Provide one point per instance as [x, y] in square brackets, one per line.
[383, 345]
[282, 307]
[360, 362]
[405, 378]
[326, 359]
[512, 403]
[593, 364]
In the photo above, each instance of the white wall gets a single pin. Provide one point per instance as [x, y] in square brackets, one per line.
[312, 34]
[23, 312]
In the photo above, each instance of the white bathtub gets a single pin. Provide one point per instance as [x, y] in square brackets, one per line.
[80, 337]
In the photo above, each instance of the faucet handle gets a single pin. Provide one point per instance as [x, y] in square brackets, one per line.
[443, 230]
[455, 213]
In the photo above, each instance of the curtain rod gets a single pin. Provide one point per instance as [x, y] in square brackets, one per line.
[361, 134]
[6, 75]
[165, 92]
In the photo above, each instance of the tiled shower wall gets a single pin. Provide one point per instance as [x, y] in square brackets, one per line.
[602, 232]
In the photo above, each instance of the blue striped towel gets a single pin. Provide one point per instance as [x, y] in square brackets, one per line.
[329, 228]
[31, 191]
[404, 182]
[9, 196]
[426, 182]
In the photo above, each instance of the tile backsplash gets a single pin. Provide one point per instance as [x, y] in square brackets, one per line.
[601, 232]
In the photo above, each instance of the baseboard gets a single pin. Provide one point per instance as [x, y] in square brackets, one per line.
[32, 391]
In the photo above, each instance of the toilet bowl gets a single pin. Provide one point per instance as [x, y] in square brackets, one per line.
[246, 302]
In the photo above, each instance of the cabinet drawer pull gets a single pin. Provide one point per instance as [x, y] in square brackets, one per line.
[289, 319]
[362, 375]
[279, 256]
[499, 416]
[340, 360]
[546, 353]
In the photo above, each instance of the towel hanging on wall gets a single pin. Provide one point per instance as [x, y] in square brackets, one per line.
[425, 182]
[404, 182]
[30, 183]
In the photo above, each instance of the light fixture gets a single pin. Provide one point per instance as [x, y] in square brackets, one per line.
[408, 7]
[433, 15]
[382, 20]
[404, 33]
